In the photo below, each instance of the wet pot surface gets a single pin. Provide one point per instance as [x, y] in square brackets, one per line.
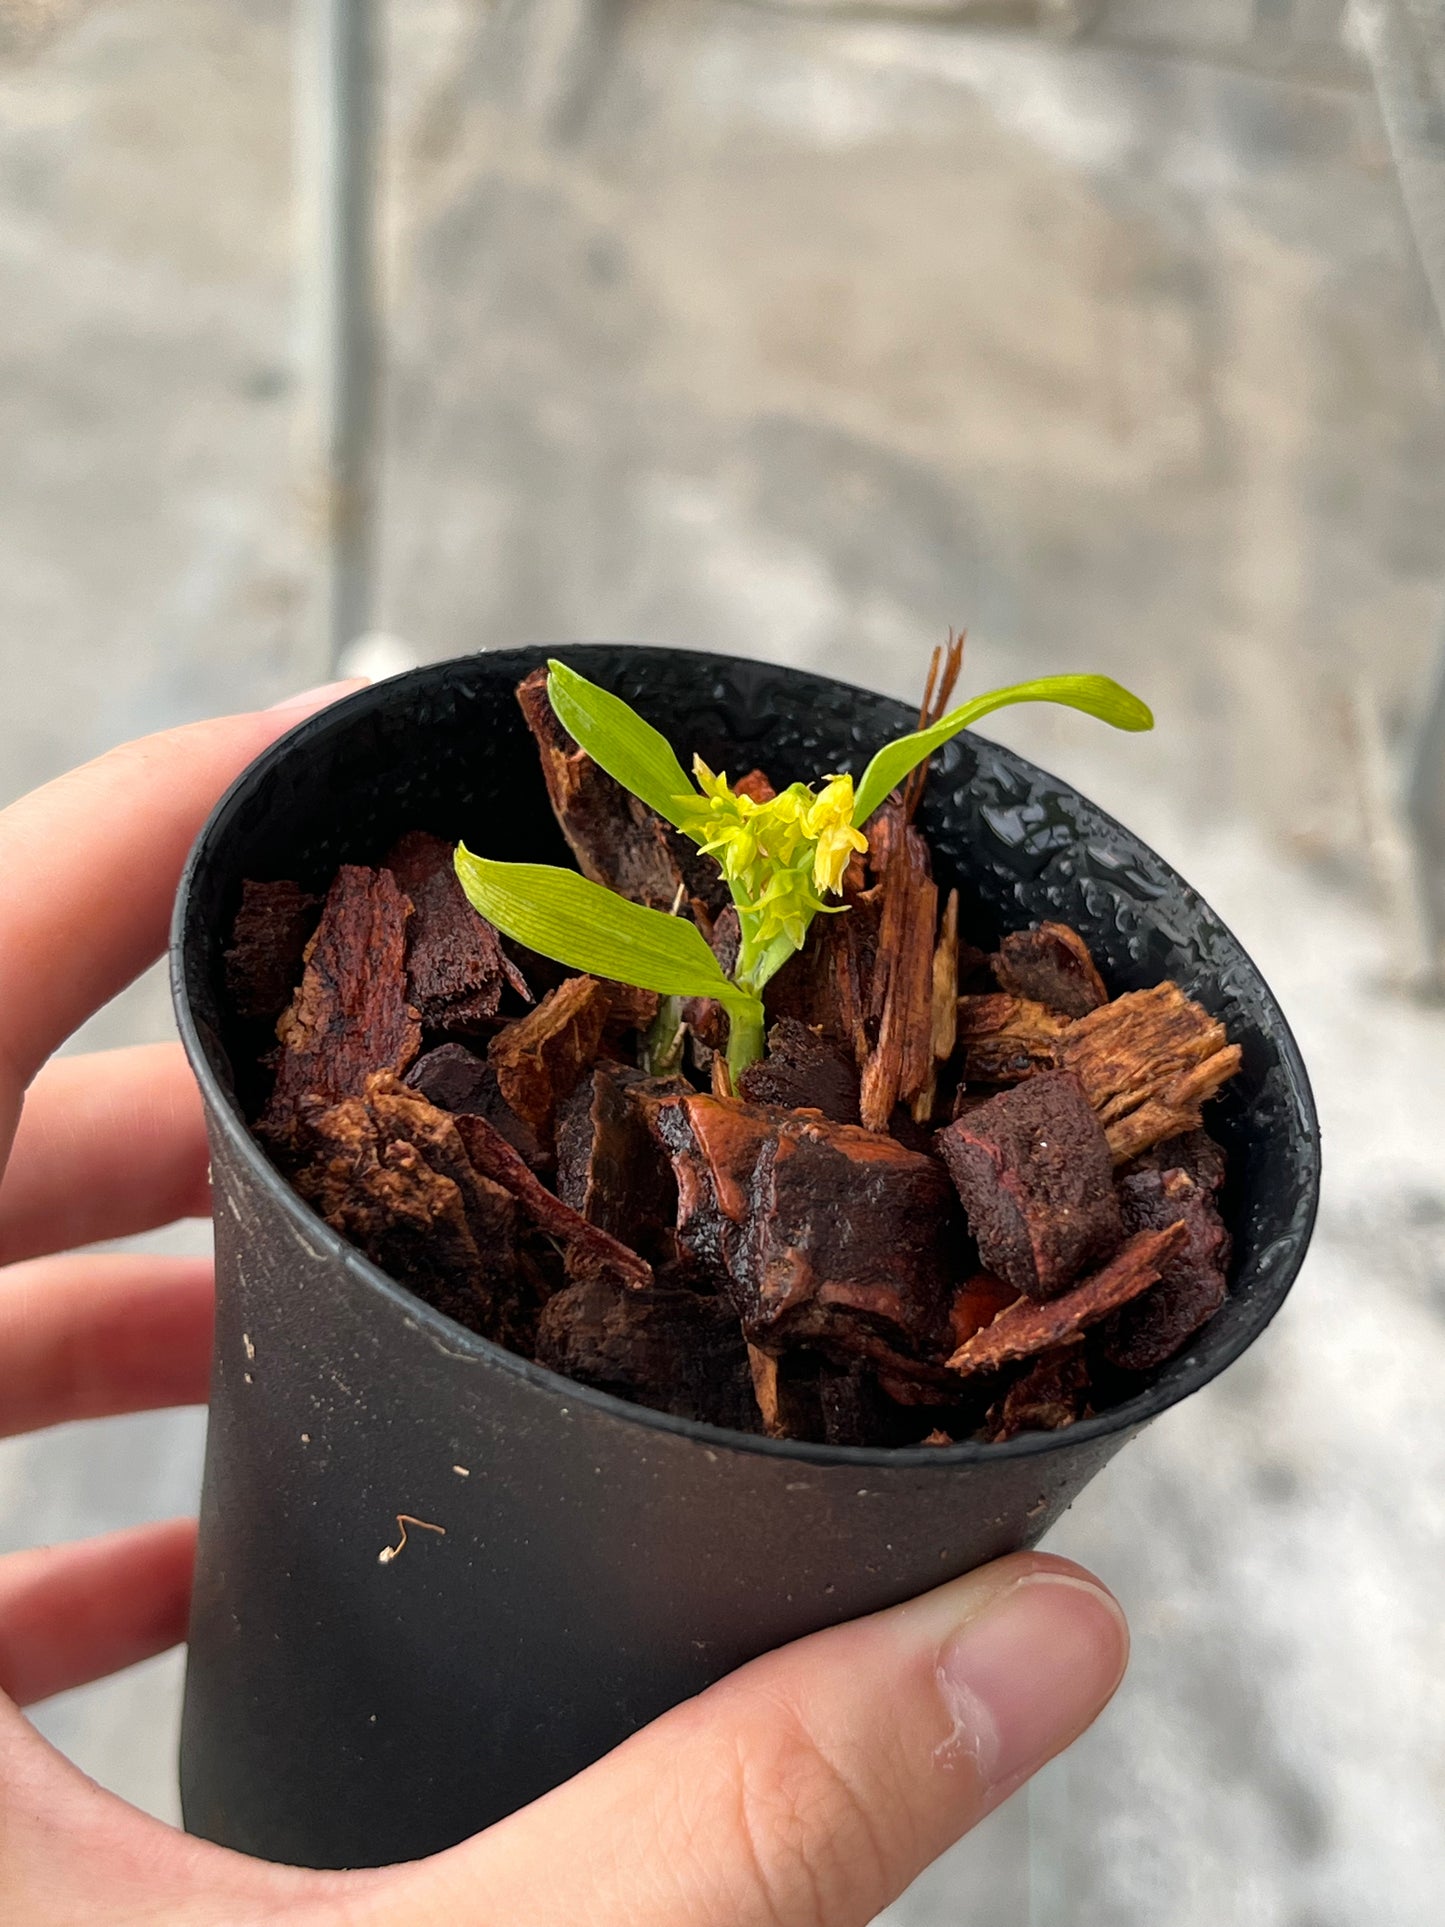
[597, 1562]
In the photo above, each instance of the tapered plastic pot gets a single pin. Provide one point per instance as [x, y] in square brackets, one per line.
[595, 1562]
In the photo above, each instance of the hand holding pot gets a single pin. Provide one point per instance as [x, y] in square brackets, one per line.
[810, 1787]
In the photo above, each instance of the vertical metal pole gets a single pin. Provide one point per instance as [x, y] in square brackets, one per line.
[338, 97]
[1425, 815]
[1404, 42]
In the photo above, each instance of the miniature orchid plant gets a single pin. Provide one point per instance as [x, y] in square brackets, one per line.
[782, 859]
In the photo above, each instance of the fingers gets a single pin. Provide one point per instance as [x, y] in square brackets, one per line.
[810, 1788]
[90, 864]
[71, 1614]
[107, 1145]
[87, 1336]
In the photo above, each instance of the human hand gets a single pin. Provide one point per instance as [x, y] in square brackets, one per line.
[805, 1791]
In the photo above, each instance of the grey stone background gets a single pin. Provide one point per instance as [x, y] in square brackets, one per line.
[806, 331]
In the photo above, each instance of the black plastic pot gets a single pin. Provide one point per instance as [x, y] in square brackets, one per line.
[600, 1561]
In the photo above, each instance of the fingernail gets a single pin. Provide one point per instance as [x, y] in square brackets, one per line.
[1028, 1674]
[318, 698]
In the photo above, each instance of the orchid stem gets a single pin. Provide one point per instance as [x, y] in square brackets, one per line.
[747, 1038]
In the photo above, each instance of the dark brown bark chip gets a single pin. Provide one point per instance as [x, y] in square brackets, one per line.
[456, 967]
[540, 1059]
[822, 1233]
[854, 1407]
[975, 971]
[629, 1009]
[1034, 1172]
[675, 1351]
[803, 1069]
[1053, 1393]
[827, 986]
[402, 1115]
[803, 1395]
[1050, 965]
[456, 1079]
[704, 1016]
[268, 947]
[617, 840]
[452, 1077]
[1193, 1151]
[903, 1377]
[787, 1393]
[451, 1242]
[612, 1166]
[350, 1015]
[588, 1251]
[1192, 1286]
[1026, 1328]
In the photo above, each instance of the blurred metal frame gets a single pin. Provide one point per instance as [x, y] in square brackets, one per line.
[337, 101]
[1404, 42]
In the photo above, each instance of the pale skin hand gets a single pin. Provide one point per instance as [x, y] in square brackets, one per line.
[805, 1791]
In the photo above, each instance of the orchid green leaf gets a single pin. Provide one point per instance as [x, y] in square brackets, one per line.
[590, 928]
[1097, 696]
[615, 736]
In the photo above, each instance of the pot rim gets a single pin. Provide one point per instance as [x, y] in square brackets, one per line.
[1130, 1415]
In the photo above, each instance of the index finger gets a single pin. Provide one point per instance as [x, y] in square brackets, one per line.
[90, 864]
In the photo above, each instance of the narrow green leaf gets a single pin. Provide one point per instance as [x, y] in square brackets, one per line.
[614, 735]
[590, 928]
[1097, 696]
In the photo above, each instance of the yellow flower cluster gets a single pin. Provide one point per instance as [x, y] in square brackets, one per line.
[779, 855]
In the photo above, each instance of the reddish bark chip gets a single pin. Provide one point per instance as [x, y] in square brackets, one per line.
[755, 784]
[268, 947]
[456, 967]
[1026, 1328]
[1053, 1393]
[350, 1015]
[804, 1071]
[826, 1233]
[541, 1059]
[976, 1303]
[1147, 1062]
[900, 1065]
[588, 1251]
[676, 1351]
[1002, 1039]
[713, 1145]
[1192, 1286]
[617, 840]
[1034, 1172]
[1050, 965]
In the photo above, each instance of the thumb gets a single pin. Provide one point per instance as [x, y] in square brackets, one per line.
[813, 1785]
